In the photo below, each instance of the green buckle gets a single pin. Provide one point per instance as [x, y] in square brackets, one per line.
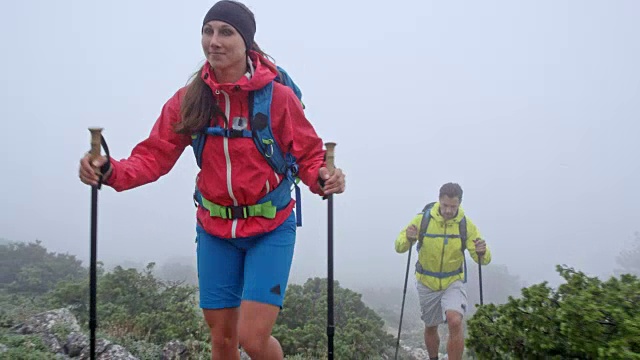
[266, 210]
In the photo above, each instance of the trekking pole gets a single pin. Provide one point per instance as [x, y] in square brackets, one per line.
[480, 277]
[330, 324]
[96, 141]
[404, 293]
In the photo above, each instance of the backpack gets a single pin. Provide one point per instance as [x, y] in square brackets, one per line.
[262, 135]
[462, 230]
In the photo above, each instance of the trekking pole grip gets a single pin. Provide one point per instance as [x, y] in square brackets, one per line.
[331, 146]
[96, 138]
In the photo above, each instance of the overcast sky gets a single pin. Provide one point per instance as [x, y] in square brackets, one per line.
[532, 106]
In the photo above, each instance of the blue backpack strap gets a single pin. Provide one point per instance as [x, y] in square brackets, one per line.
[462, 229]
[439, 275]
[260, 105]
[285, 164]
[228, 133]
[424, 224]
[197, 143]
[198, 139]
[463, 232]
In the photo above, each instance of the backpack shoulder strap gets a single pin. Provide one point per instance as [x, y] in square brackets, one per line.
[424, 223]
[265, 141]
[260, 110]
[463, 238]
[197, 143]
[463, 232]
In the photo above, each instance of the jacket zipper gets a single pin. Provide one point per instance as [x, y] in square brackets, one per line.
[444, 243]
[225, 140]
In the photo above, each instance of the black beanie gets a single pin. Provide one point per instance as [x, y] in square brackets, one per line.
[235, 14]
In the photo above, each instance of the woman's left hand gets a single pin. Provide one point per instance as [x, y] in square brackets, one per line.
[333, 183]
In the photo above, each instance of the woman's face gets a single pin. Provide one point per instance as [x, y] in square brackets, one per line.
[223, 46]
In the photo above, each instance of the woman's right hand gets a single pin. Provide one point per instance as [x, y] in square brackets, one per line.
[90, 170]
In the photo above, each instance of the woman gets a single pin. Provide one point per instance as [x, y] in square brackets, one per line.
[243, 261]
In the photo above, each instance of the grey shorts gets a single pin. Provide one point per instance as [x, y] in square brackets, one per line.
[434, 304]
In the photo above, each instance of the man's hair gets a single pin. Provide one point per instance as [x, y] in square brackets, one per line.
[451, 190]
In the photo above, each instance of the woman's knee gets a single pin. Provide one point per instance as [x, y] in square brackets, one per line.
[223, 325]
[254, 339]
[225, 342]
[254, 345]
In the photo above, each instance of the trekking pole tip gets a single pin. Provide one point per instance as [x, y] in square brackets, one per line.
[330, 155]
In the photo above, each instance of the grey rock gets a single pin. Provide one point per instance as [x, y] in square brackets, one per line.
[48, 322]
[106, 350]
[116, 352]
[51, 326]
[76, 342]
[175, 350]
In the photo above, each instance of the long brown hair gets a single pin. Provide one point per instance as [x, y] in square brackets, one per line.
[199, 107]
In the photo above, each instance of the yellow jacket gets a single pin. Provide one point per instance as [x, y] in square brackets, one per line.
[441, 252]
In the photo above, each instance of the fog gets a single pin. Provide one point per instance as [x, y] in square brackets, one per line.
[532, 107]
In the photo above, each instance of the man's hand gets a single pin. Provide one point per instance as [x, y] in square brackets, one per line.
[481, 246]
[412, 233]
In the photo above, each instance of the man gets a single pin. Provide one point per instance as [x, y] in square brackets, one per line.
[440, 269]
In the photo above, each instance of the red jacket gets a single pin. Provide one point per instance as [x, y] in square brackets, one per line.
[233, 170]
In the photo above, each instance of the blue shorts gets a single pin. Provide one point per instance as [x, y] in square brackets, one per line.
[254, 268]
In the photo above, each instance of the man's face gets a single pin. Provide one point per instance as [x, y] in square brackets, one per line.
[449, 206]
